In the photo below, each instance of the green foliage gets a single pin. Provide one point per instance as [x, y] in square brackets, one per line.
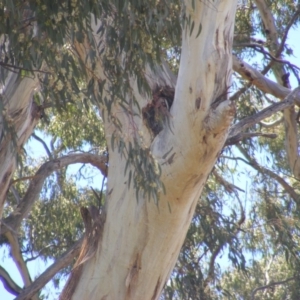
[57, 219]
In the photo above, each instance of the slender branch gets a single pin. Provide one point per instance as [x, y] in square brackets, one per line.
[252, 162]
[283, 40]
[14, 220]
[8, 283]
[262, 50]
[259, 80]
[270, 285]
[241, 91]
[265, 113]
[19, 261]
[39, 253]
[44, 145]
[230, 188]
[10, 67]
[62, 262]
[247, 135]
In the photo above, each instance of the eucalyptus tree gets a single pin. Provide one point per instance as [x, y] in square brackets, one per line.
[161, 117]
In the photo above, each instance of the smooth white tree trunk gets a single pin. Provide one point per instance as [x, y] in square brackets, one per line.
[140, 242]
[19, 117]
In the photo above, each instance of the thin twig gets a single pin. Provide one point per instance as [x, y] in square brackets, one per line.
[270, 285]
[5, 65]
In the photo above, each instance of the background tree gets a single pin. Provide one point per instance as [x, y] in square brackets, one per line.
[157, 138]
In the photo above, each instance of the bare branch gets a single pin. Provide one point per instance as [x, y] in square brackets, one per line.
[279, 179]
[62, 262]
[229, 187]
[259, 80]
[290, 123]
[261, 49]
[8, 283]
[246, 135]
[265, 113]
[270, 285]
[283, 40]
[44, 145]
[14, 68]
[19, 261]
[14, 220]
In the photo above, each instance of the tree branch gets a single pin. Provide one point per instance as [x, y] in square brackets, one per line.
[48, 274]
[8, 283]
[265, 113]
[14, 220]
[258, 47]
[44, 145]
[252, 162]
[269, 285]
[229, 187]
[11, 67]
[259, 80]
[19, 261]
[246, 135]
[290, 124]
[283, 40]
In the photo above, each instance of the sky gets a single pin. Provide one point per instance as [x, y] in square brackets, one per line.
[37, 267]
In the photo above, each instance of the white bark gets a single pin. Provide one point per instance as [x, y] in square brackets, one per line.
[141, 241]
[20, 114]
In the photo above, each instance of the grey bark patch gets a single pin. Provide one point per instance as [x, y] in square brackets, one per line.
[217, 37]
[17, 113]
[7, 175]
[198, 103]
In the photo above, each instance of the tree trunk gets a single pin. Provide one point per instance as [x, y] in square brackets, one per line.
[141, 241]
[19, 117]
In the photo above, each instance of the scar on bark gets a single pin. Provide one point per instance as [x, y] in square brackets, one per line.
[132, 274]
[93, 223]
[197, 103]
[170, 160]
[7, 175]
[157, 111]
[220, 97]
[156, 290]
